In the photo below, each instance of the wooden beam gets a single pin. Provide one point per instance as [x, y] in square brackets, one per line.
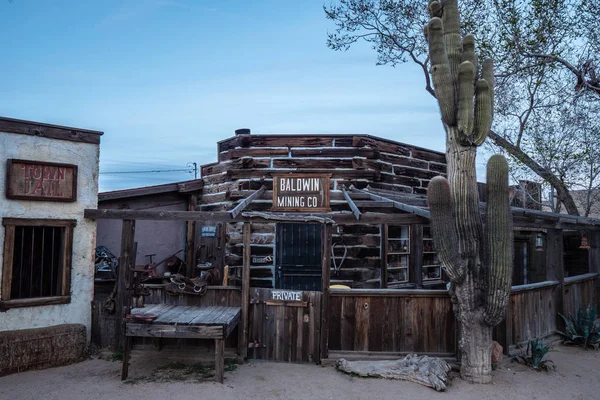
[157, 215]
[190, 243]
[401, 206]
[245, 202]
[383, 246]
[555, 269]
[123, 283]
[243, 329]
[594, 259]
[351, 204]
[415, 267]
[325, 281]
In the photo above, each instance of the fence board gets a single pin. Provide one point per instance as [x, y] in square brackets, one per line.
[579, 290]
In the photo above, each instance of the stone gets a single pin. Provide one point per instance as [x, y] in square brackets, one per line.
[497, 353]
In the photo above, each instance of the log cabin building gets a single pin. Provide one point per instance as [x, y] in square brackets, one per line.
[288, 218]
[375, 198]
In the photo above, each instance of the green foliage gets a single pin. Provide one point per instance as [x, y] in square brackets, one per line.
[534, 355]
[582, 329]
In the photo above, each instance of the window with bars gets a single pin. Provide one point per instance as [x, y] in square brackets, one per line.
[36, 268]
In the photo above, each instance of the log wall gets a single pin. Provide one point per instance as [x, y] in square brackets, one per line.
[247, 162]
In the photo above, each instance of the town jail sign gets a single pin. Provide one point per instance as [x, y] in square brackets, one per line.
[39, 180]
[301, 193]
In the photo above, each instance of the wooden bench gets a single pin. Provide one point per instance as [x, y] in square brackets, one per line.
[184, 322]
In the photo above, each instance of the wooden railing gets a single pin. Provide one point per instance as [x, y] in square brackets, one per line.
[531, 313]
[579, 290]
[391, 321]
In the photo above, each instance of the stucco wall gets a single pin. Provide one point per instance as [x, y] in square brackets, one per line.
[85, 156]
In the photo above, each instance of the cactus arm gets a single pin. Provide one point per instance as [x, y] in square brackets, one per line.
[469, 53]
[435, 9]
[483, 112]
[440, 71]
[499, 237]
[451, 21]
[464, 118]
[444, 229]
[487, 73]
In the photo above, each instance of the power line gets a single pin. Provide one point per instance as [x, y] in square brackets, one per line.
[149, 171]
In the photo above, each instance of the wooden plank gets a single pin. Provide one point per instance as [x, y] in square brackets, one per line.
[219, 360]
[175, 331]
[157, 215]
[401, 206]
[245, 202]
[39, 129]
[383, 248]
[351, 204]
[594, 263]
[190, 241]
[7, 264]
[123, 288]
[243, 338]
[265, 173]
[415, 265]
[126, 358]
[555, 270]
[325, 278]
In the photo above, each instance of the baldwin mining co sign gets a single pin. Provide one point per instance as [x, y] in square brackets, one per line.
[39, 180]
[301, 193]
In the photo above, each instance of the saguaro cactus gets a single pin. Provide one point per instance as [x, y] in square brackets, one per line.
[478, 261]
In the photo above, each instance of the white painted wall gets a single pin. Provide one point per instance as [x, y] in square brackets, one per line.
[85, 156]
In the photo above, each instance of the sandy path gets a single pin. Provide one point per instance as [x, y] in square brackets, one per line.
[578, 377]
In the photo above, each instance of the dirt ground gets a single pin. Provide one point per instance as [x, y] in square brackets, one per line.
[577, 377]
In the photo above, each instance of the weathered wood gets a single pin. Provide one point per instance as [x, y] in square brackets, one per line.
[351, 204]
[383, 246]
[427, 371]
[7, 264]
[579, 291]
[49, 131]
[415, 265]
[325, 278]
[555, 270]
[175, 331]
[401, 206]
[126, 358]
[190, 241]
[245, 202]
[243, 338]
[219, 360]
[594, 261]
[157, 215]
[123, 283]
[265, 173]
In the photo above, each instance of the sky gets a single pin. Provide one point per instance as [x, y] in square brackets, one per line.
[166, 79]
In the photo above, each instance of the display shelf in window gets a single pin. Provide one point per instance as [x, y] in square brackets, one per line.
[431, 269]
[398, 254]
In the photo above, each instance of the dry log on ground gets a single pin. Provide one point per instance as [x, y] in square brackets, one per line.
[428, 371]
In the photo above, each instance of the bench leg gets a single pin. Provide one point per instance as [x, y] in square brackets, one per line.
[219, 360]
[126, 356]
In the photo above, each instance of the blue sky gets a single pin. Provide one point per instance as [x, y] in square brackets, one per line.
[166, 79]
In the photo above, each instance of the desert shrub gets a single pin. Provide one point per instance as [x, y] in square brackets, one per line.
[534, 356]
[582, 330]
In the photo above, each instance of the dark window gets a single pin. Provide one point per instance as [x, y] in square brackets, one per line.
[37, 262]
[298, 256]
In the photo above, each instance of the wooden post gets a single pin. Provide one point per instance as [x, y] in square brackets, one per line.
[415, 266]
[243, 330]
[555, 269]
[325, 278]
[123, 292]
[219, 360]
[594, 259]
[190, 243]
[126, 357]
[383, 247]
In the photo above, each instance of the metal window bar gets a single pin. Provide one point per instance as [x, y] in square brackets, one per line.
[37, 264]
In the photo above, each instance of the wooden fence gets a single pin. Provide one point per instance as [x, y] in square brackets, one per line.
[579, 290]
[391, 321]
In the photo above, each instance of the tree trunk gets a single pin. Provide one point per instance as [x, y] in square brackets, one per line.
[475, 346]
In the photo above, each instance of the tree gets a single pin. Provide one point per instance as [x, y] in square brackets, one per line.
[546, 53]
[478, 261]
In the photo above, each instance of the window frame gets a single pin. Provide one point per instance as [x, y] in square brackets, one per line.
[7, 262]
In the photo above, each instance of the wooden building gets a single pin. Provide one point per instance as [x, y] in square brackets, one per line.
[292, 216]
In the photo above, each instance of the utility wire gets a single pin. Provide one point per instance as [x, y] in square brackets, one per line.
[149, 172]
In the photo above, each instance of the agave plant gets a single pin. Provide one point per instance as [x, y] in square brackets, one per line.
[582, 329]
[534, 356]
